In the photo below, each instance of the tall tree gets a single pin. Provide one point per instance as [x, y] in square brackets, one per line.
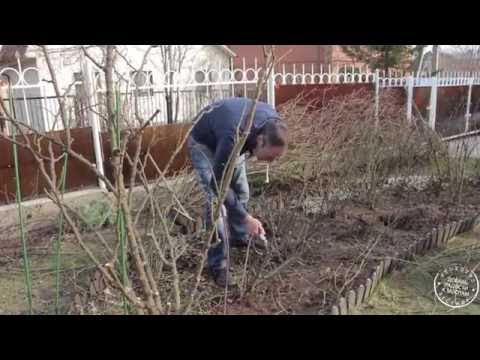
[417, 55]
[172, 59]
[383, 57]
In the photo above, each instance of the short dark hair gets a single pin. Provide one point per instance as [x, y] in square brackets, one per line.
[275, 133]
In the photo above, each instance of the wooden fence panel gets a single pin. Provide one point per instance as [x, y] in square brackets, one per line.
[161, 140]
[31, 180]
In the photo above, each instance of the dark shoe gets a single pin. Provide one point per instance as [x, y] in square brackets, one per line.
[239, 243]
[258, 242]
[222, 278]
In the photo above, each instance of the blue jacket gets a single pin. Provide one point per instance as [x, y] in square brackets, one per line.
[216, 127]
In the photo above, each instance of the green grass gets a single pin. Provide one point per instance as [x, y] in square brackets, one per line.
[74, 265]
[410, 291]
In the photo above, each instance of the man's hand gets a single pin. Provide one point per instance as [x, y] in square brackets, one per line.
[254, 226]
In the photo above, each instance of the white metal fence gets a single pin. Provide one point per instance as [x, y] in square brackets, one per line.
[311, 75]
[192, 89]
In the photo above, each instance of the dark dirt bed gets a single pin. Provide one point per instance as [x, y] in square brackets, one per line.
[314, 259]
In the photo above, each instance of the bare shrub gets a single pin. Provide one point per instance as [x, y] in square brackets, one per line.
[150, 245]
[448, 165]
[343, 145]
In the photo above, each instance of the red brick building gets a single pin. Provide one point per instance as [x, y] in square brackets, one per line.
[297, 54]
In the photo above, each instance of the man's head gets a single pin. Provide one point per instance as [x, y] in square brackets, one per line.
[271, 141]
